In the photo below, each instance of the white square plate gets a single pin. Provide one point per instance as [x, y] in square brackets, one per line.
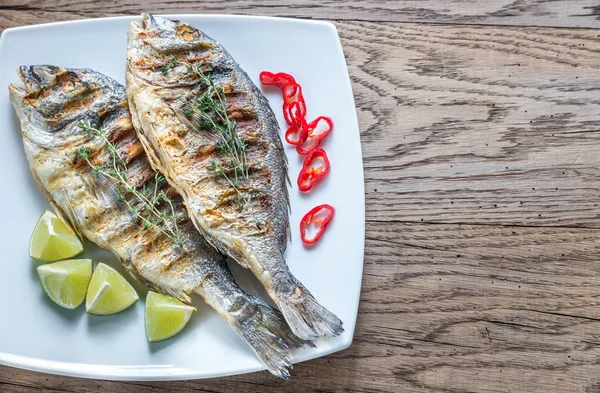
[35, 334]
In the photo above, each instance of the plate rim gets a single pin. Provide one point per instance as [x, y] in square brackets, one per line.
[170, 373]
[212, 16]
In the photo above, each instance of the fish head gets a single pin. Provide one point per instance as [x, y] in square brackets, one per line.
[162, 51]
[166, 35]
[53, 104]
[38, 77]
[55, 101]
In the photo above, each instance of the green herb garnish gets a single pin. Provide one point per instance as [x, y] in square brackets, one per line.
[169, 66]
[148, 199]
[212, 111]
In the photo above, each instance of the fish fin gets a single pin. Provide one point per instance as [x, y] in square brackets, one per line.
[68, 215]
[177, 294]
[151, 153]
[104, 190]
[16, 94]
[275, 131]
[288, 231]
[211, 240]
[306, 317]
[271, 339]
[183, 119]
[178, 106]
[192, 122]
[239, 259]
[137, 275]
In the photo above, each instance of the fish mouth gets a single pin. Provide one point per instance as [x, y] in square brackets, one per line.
[147, 21]
[164, 26]
[164, 36]
[151, 22]
[35, 78]
[38, 77]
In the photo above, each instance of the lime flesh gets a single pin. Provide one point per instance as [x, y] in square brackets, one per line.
[53, 240]
[66, 282]
[165, 316]
[108, 292]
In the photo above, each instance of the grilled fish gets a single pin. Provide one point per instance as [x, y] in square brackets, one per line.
[177, 79]
[76, 171]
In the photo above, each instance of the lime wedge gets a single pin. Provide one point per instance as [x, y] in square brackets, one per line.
[53, 240]
[165, 316]
[66, 282]
[109, 293]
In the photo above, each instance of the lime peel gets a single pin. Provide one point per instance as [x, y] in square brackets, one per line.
[52, 239]
[165, 316]
[66, 282]
[109, 292]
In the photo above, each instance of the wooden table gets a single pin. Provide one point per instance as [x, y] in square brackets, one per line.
[480, 127]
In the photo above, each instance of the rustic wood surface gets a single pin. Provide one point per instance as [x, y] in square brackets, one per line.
[481, 148]
[563, 13]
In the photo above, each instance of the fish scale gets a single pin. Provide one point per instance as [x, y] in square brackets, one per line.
[90, 202]
[163, 55]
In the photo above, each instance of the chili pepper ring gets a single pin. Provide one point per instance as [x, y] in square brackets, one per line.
[309, 175]
[320, 223]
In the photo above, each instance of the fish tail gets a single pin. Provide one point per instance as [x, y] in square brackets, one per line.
[270, 338]
[306, 317]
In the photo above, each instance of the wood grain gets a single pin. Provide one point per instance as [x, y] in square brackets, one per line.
[491, 125]
[564, 13]
[480, 148]
[445, 308]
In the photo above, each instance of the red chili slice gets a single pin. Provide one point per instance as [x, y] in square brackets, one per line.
[308, 146]
[292, 94]
[289, 116]
[292, 112]
[313, 127]
[315, 136]
[290, 90]
[320, 223]
[309, 174]
[299, 127]
[279, 79]
[298, 133]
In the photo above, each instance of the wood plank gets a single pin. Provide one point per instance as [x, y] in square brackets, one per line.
[445, 308]
[477, 124]
[509, 305]
[15, 18]
[563, 13]
[490, 125]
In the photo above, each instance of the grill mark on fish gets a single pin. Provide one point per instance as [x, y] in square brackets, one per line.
[89, 202]
[158, 101]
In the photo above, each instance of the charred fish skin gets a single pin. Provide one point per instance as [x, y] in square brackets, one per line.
[51, 108]
[161, 88]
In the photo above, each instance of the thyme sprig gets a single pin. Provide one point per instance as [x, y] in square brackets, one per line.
[241, 198]
[169, 66]
[147, 200]
[211, 108]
